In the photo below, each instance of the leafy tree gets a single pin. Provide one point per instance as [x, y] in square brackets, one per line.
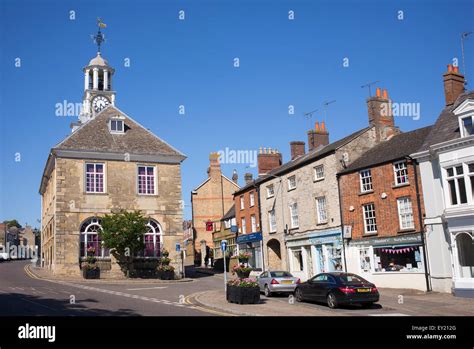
[12, 223]
[122, 233]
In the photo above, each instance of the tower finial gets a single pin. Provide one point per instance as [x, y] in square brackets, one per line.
[99, 38]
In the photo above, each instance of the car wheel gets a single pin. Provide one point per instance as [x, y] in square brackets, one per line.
[331, 300]
[298, 295]
[267, 291]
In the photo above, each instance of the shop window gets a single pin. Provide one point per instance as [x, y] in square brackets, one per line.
[364, 259]
[465, 247]
[393, 259]
[297, 260]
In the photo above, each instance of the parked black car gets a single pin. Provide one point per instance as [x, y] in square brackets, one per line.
[336, 289]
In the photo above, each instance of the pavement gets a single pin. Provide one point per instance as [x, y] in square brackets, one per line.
[25, 290]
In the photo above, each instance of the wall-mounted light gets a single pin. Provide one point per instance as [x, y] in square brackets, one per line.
[351, 208]
[384, 195]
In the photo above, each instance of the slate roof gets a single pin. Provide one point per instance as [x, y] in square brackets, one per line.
[95, 136]
[302, 160]
[229, 214]
[397, 147]
[446, 126]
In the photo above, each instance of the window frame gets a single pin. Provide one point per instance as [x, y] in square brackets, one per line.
[252, 198]
[289, 180]
[268, 191]
[253, 223]
[294, 217]
[396, 172]
[465, 176]
[374, 217]
[243, 225]
[104, 177]
[400, 214]
[316, 178]
[369, 178]
[272, 227]
[242, 202]
[117, 120]
[318, 210]
[155, 179]
[461, 125]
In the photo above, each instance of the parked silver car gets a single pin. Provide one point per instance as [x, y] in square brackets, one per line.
[277, 281]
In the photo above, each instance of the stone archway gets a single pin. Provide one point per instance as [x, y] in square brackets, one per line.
[274, 255]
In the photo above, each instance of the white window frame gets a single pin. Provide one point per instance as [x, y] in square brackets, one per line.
[272, 221]
[319, 176]
[155, 180]
[467, 184]
[374, 217]
[405, 211]
[253, 223]
[290, 180]
[397, 170]
[294, 219]
[252, 198]
[242, 202]
[104, 174]
[362, 177]
[117, 121]
[243, 228]
[321, 209]
[461, 124]
[272, 194]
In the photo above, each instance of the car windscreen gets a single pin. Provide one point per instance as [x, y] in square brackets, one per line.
[280, 274]
[352, 279]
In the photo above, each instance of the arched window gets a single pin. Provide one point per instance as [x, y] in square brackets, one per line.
[153, 239]
[90, 238]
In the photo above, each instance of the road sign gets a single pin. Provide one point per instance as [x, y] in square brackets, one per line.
[178, 247]
[223, 245]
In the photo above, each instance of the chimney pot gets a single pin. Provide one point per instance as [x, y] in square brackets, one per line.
[323, 126]
[450, 67]
[248, 178]
[385, 93]
[316, 126]
[377, 91]
[456, 69]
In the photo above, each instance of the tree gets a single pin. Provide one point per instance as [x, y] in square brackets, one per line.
[12, 223]
[122, 233]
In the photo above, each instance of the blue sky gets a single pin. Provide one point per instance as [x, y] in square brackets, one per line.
[190, 63]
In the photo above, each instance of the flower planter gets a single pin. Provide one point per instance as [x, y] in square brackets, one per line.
[166, 274]
[243, 295]
[88, 273]
[243, 274]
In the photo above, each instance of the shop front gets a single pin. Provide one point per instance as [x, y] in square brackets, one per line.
[313, 253]
[395, 262]
[252, 243]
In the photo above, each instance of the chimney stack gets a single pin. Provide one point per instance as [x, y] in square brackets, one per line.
[214, 169]
[268, 159]
[248, 178]
[380, 115]
[297, 149]
[453, 84]
[318, 137]
[235, 177]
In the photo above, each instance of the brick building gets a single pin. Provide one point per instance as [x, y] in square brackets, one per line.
[247, 208]
[210, 201]
[109, 162]
[380, 214]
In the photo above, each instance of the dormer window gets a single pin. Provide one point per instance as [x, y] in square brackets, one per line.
[466, 126]
[117, 126]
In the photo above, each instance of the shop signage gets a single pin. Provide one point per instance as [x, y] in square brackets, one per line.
[249, 238]
[395, 240]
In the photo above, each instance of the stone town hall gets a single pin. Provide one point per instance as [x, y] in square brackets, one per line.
[109, 162]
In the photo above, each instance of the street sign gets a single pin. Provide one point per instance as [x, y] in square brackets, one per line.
[178, 247]
[223, 245]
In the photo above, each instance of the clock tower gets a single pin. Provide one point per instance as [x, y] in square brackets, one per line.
[98, 92]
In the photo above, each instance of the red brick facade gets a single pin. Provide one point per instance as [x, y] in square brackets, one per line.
[248, 210]
[386, 209]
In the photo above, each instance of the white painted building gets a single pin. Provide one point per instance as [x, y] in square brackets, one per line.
[447, 173]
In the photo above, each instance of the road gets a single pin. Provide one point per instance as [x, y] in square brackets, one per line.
[21, 294]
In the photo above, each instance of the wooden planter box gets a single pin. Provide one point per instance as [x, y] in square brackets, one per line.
[243, 295]
[91, 273]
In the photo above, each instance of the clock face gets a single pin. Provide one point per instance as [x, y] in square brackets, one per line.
[99, 103]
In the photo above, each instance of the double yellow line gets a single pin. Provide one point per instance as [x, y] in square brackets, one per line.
[30, 273]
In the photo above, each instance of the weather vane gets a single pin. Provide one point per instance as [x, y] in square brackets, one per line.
[99, 38]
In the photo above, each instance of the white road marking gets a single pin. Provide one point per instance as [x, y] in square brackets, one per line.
[145, 288]
[392, 314]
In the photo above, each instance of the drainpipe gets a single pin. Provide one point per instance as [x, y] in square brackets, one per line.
[257, 190]
[420, 222]
[342, 223]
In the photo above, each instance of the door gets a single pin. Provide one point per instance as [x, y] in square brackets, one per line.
[316, 287]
